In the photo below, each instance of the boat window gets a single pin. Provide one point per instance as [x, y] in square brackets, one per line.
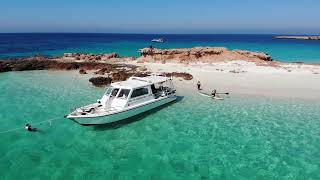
[140, 92]
[157, 88]
[153, 89]
[108, 91]
[124, 93]
[114, 92]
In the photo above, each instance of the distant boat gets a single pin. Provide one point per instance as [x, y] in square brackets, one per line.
[159, 40]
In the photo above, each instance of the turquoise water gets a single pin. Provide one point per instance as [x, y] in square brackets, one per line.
[241, 137]
[14, 45]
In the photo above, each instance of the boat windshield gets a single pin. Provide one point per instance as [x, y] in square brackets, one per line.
[124, 93]
[113, 91]
[109, 90]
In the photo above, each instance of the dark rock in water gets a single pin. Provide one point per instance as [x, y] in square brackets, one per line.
[185, 76]
[4, 67]
[91, 57]
[82, 71]
[120, 76]
[27, 65]
[100, 81]
[33, 64]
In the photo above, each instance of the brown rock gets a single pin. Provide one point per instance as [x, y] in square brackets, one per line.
[103, 71]
[111, 55]
[203, 54]
[185, 76]
[120, 76]
[100, 81]
[82, 71]
[142, 68]
[31, 64]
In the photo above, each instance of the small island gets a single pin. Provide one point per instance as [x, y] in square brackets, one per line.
[230, 67]
[299, 37]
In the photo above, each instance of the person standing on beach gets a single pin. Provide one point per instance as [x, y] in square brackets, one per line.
[199, 85]
[213, 93]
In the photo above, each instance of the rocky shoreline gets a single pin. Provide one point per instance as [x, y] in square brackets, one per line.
[107, 68]
[74, 61]
[104, 72]
[50, 64]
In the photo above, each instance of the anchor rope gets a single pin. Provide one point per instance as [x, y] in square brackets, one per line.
[36, 123]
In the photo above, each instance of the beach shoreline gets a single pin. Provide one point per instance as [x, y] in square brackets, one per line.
[241, 78]
[257, 74]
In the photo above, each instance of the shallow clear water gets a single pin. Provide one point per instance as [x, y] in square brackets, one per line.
[194, 138]
[53, 44]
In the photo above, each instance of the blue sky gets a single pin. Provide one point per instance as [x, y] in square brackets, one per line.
[161, 16]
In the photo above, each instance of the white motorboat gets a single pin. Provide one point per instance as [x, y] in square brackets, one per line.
[160, 40]
[126, 99]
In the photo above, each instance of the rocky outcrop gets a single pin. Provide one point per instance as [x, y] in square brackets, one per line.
[120, 76]
[100, 81]
[124, 75]
[254, 55]
[185, 76]
[200, 54]
[33, 64]
[90, 57]
[113, 72]
[299, 37]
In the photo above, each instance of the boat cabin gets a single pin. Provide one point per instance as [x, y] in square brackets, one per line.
[136, 90]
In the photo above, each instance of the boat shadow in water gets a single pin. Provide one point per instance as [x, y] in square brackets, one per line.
[119, 124]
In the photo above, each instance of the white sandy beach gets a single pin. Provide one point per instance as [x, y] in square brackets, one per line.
[290, 80]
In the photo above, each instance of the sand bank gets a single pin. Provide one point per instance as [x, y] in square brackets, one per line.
[247, 78]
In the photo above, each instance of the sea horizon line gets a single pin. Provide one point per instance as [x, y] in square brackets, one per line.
[112, 33]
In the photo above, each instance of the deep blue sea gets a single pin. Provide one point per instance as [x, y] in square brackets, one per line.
[52, 44]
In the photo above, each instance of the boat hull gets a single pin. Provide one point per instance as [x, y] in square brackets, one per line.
[124, 114]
